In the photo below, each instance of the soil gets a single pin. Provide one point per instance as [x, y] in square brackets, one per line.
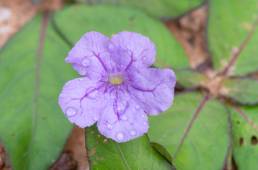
[189, 30]
[13, 15]
[74, 156]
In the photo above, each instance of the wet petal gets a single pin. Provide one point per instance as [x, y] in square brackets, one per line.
[153, 89]
[81, 102]
[122, 59]
[140, 47]
[124, 121]
[118, 89]
[89, 54]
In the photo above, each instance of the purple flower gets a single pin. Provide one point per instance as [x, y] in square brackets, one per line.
[118, 88]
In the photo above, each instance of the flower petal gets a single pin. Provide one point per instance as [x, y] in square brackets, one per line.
[153, 89]
[80, 101]
[89, 54]
[142, 48]
[123, 120]
[121, 60]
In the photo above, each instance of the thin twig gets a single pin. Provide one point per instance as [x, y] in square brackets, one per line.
[246, 118]
[38, 60]
[228, 160]
[190, 124]
[236, 51]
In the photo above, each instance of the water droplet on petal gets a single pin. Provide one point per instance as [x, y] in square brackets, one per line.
[137, 107]
[119, 108]
[111, 47]
[86, 62]
[69, 83]
[109, 126]
[94, 94]
[120, 136]
[83, 72]
[95, 118]
[70, 111]
[62, 95]
[80, 79]
[132, 132]
[123, 117]
[144, 58]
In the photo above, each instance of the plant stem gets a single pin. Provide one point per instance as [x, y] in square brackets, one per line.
[236, 51]
[246, 118]
[191, 122]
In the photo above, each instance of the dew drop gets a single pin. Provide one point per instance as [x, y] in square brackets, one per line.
[120, 136]
[95, 118]
[70, 111]
[137, 107]
[62, 95]
[83, 72]
[132, 132]
[105, 141]
[111, 47]
[94, 94]
[86, 62]
[119, 108]
[109, 126]
[123, 117]
[69, 83]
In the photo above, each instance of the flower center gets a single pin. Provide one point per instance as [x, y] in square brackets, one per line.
[116, 79]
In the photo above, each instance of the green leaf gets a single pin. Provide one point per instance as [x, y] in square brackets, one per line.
[189, 78]
[158, 8]
[136, 154]
[242, 90]
[207, 139]
[229, 24]
[245, 141]
[32, 127]
[110, 20]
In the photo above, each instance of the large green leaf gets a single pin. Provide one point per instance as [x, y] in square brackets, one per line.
[230, 22]
[32, 127]
[242, 90]
[245, 133]
[110, 20]
[136, 154]
[159, 8]
[190, 78]
[207, 139]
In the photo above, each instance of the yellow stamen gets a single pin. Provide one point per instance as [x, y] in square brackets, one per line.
[116, 79]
